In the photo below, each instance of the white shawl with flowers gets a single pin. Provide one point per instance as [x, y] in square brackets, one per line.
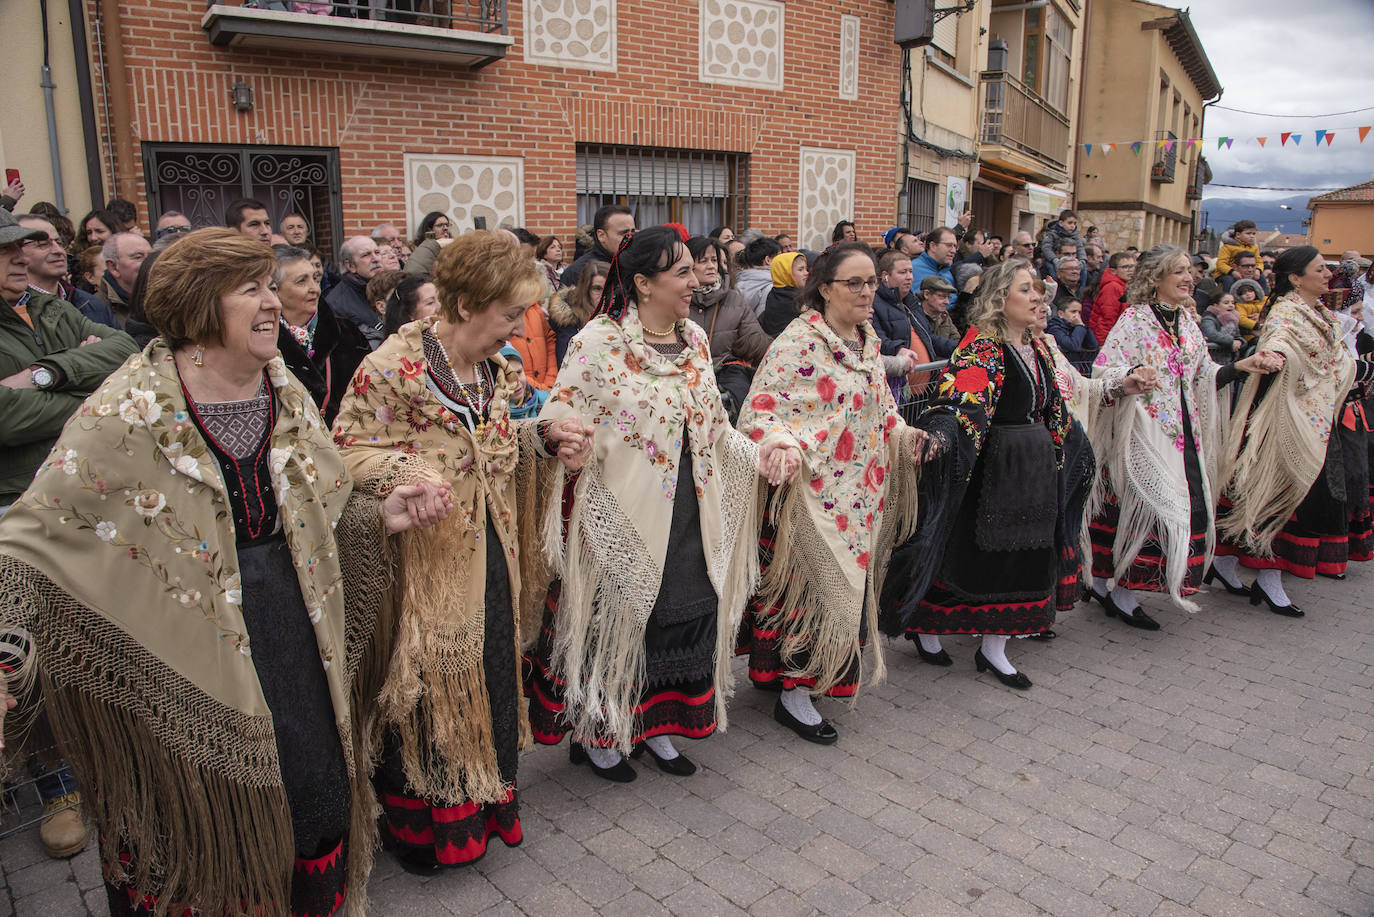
[645, 409]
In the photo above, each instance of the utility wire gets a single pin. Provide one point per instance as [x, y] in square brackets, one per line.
[1268, 114]
[1212, 184]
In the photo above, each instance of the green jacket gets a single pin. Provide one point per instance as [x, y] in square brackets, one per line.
[31, 419]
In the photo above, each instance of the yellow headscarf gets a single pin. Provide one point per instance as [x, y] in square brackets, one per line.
[781, 269]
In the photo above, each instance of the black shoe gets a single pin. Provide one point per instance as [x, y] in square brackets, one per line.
[940, 658]
[822, 733]
[1335, 576]
[1258, 595]
[678, 767]
[1213, 574]
[1137, 618]
[620, 772]
[1046, 634]
[1017, 680]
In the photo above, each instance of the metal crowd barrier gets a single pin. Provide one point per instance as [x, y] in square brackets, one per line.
[915, 400]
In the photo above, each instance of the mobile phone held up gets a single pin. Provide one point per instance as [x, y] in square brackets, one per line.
[11, 176]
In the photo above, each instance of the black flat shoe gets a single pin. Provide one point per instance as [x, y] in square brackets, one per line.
[678, 767]
[620, 772]
[1046, 634]
[1212, 574]
[1334, 576]
[941, 658]
[1017, 680]
[822, 733]
[1137, 618]
[1258, 595]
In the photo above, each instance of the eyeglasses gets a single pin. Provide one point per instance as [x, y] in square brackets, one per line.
[855, 285]
[40, 245]
[170, 231]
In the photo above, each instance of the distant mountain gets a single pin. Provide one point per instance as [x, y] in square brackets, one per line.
[1222, 212]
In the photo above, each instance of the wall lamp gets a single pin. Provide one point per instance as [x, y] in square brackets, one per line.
[242, 94]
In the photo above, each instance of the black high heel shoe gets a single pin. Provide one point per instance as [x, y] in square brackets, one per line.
[620, 772]
[1213, 574]
[1017, 680]
[941, 658]
[678, 767]
[1137, 618]
[1258, 595]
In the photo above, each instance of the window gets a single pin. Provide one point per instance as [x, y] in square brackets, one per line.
[700, 189]
[920, 205]
[1045, 56]
[945, 39]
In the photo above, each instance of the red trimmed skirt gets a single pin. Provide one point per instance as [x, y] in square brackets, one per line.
[1147, 571]
[319, 887]
[437, 835]
[677, 708]
[1297, 549]
[943, 612]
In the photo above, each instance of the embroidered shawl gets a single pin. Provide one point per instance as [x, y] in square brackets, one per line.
[645, 409]
[392, 430]
[1274, 457]
[813, 392]
[1140, 440]
[120, 561]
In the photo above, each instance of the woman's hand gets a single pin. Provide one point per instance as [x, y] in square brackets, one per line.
[924, 446]
[574, 439]
[912, 361]
[1237, 344]
[415, 506]
[1263, 362]
[1143, 379]
[779, 462]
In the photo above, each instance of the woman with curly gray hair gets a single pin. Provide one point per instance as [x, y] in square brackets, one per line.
[1153, 509]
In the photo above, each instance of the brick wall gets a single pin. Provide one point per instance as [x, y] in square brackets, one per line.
[375, 111]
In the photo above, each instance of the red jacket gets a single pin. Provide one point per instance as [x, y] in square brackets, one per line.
[1107, 307]
[536, 347]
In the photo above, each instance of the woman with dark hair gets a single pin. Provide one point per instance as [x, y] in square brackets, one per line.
[94, 229]
[844, 232]
[825, 538]
[1284, 502]
[572, 307]
[722, 234]
[549, 254]
[733, 334]
[654, 553]
[1001, 507]
[1153, 511]
[414, 298]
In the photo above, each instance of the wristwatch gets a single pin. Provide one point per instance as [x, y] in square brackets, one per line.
[43, 377]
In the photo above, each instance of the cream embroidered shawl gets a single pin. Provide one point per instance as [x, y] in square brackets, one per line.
[645, 408]
[1273, 458]
[854, 497]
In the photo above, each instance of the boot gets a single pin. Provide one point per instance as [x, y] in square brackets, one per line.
[63, 833]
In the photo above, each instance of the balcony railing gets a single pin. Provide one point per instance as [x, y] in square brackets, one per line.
[1166, 158]
[471, 32]
[1016, 117]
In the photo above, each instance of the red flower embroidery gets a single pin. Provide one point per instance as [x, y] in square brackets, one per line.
[971, 379]
[763, 402]
[844, 447]
[410, 369]
[825, 387]
[874, 473]
[817, 483]
[756, 434]
[862, 561]
[822, 436]
[858, 400]
[842, 522]
[361, 383]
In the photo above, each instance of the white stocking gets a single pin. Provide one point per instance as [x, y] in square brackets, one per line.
[662, 746]
[930, 642]
[797, 701]
[1271, 581]
[1099, 585]
[995, 652]
[603, 757]
[1227, 567]
[1125, 600]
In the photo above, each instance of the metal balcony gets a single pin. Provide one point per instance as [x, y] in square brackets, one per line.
[1017, 120]
[1166, 160]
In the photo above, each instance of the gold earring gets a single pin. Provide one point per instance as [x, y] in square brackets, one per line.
[198, 357]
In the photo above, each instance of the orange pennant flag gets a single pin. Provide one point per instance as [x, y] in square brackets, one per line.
[1364, 132]
[1261, 140]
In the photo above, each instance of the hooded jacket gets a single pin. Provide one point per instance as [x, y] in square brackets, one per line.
[1249, 311]
[1231, 247]
[753, 284]
[1055, 235]
[566, 320]
[1107, 307]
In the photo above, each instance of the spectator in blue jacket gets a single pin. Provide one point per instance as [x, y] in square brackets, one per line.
[1074, 338]
[941, 246]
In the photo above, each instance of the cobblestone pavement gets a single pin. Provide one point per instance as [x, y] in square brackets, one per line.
[1221, 766]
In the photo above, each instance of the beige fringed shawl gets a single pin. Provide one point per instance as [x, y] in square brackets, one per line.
[645, 407]
[120, 561]
[855, 495]
[1273, 458]
[1139, 441]
[392, 430]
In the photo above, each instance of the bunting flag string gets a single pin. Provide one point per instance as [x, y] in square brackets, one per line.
[1169, 145]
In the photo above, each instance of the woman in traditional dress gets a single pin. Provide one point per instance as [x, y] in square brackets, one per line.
[654, 550]
[995, 534]
[826, 539]
[177, 568]
[1284, 502]
[1153, 507]
[432, 403]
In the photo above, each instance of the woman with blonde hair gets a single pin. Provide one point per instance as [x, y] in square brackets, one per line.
[996, 532]
[432, 403]
[1160, 453]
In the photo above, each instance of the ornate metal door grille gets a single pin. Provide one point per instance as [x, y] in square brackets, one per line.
[201, 181]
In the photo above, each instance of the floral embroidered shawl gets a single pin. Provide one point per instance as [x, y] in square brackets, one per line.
[645, 408]
[120, 561]
[813, 392]
[1274, 457]
[1140, 440]
[392, 430]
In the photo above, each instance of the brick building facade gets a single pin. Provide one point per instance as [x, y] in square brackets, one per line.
[796, 104]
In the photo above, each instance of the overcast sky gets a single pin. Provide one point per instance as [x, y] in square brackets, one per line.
[1292, 58]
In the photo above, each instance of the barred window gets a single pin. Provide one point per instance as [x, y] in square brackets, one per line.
[701, 189]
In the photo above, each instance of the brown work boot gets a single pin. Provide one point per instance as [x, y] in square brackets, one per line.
[62, 832]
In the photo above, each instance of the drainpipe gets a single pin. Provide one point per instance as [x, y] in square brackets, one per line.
[1078, 122]
[117, 90]
[76, 13]
[47, 85]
